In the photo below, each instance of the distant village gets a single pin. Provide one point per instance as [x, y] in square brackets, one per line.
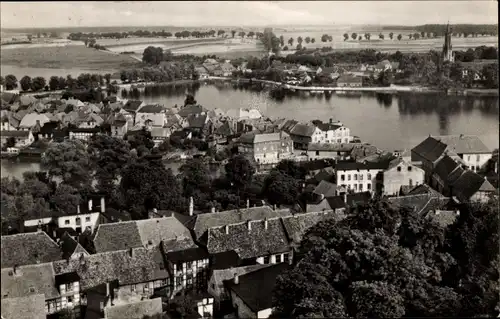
[140, 266]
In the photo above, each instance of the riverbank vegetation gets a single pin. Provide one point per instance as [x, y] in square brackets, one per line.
[458, 29]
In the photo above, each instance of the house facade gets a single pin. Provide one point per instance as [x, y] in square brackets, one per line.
[268, 148]
[84, 134]
[304, 134]
[400, 174]
[349, 81]
[359, 177]
[332, 133]
[322, 151]
[21, 138]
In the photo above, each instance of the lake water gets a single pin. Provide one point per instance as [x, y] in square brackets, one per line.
[398, 121]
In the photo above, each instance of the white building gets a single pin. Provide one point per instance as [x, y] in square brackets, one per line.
[332, 133]
[359, 177]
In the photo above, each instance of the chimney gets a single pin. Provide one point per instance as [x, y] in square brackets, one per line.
[191, 206]
[212, 210]
[15, 270]
[274, 207]
[249, 225]
[457, 212]
[265, 223]
[90, 205]
[226, 229]
[236, 279]
[103, 208]
[345, 198]
[331, 121]
[39, 227]
[248, 203]
[107, 289]
[78, 209]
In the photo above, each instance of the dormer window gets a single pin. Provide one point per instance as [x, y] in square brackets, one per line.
[399, 168]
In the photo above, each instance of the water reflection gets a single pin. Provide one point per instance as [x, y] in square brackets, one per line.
[384, 99]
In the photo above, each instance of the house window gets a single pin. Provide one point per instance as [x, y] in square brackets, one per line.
[411, 182]
[266, 260]
[87, 219]
[468, 158]
[355, 187]
[399, 168]
[342, 177]
[409, 168]
[285, 257]
[360, 177]
[66, 222]
[70, 298]
[369, 176]
[278, 259]
[317, 153]
[360, 187]
[478, 157]
[69, 287]
[132, 288]
[369, 186]
[355, 177]
[78, 221]
[473, 168]
[189, 264]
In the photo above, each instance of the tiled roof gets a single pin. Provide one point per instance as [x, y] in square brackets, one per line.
[297, 225]
[191, 109]
[140, 233]
[331, 147]
[132, 105]
[127, 266]
[414, 202]
[29, 120]
[30, 307]
[464, 144]
[190, 254]
[445, 166]
[288, 125]
[69, 246]
[220, 275]
[202, 222]
[361, 151]
[303, 130]
[138, 309]
[468, 184]
[249, 243]
[430, 149]
[151, 108]
[325, 188]
[423, 189]
[351, 165]
[28, 249]
[325, 127]
[325, 174]
[197, 120]
[24, 134]
[160, 132]
[454, 175]
[254, 288]
[29, 280]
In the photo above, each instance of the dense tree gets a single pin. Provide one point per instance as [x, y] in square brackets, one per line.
[38, 84]
[69, 161]
[152, 55]
[239, 171]
[400, 37]
[281, 189]
[290, 41]
[367, 36]
[195, 176]
[313, 40]
[381, 36]
[141, 141]
[66, 199]
[346, 37]
[282, 40]
[299, 40]
[354, 35]
[233, 32]
[308, 40]
[109, 155]
[54, 83]
[490, 73]
[26, 83]
[147, 184]
[391, 35]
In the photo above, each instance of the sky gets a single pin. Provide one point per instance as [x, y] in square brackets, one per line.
[243, 13]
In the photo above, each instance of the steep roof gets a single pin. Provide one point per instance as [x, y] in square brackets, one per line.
[130, 266]
[29, 280]
[249, 243]
[288, 125]
[464, 144]
[28, 249]
[69, 246]
[325, 127]
[348, 147]
[197, 120]
[468, 184]
[220, 275]
[151, 108]
[132, 105]
[430, 149]
[303, 130]
[140, 233]
[191, 109]
[352, 165]
[254, 288]
[423, 189]
[202, 222]
[445, 166]
[325, 188]
[29, 120]
[30, 307]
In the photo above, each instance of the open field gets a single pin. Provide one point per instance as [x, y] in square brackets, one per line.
[109, 43]
[66, 57]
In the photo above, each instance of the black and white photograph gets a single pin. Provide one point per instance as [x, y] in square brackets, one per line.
[249, 159]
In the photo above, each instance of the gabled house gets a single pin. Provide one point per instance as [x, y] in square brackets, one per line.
[252, 300]
[119, 125]
[84, 134]
[31, 119]
[202, 72]
[243, 114]
[227, 69]
[21, 138]
[472, 187]
[421, 204]
[132, 106]
[303, 134]
[28, 249]
[401, 176]
[268, 148]
[333, 133]
[199, 123]
[154, 114]
[341, 151]
[91, 120]
[191, 109]
[8, 122]
[446, 172]
[360, 177]
[160, 134]
[325, 189]
[261, 241]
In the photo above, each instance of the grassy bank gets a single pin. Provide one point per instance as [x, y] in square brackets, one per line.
[66, 57]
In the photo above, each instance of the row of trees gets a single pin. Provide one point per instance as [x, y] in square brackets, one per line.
[458, 29]
[83, 81]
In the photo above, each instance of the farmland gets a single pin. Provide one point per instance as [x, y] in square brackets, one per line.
[65, 57]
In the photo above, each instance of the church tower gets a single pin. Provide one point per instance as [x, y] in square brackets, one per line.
[448, 55]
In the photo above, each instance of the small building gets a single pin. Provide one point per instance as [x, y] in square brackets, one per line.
[303, 134]
[160, 134]
[360, 177]
[154, 114]
[349, 81]
[31, 119]
[251, 300]
[84, 134]
[317, 151]
[333, 132]
[202, 73]
[126, 304]
[243, 114]
[91, 120]
[401, 175]
[20, 138]
[268, 148]
[119, 125]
